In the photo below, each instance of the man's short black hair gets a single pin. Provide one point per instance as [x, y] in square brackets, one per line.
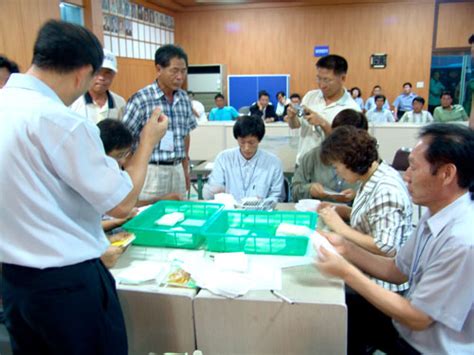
[356, 88]
[471, 39]
[9, 65]
[263, 93]
[376, 87]
[295, 95]
[164, 54]
[249, 126]
[446, 93]
[114, 135]
[380, 97]
[407, 83]
[451, 144]
[219, 96]
[419, 99]
[63, 47]
[282, 93]
[350, 117]
[333, 62]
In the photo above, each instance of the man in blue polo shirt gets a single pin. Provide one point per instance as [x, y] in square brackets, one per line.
[222, 112]
[56, 181]
[404, 102]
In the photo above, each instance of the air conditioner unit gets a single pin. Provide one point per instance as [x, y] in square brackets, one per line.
[207, 80]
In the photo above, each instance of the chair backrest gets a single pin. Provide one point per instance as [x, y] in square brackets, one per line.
[244, 110]
[400, 160]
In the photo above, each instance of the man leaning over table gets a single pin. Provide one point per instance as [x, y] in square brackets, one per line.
[55, 183]
[436, 315]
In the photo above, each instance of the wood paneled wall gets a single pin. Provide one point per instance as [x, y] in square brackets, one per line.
[281, 41]
[20, 21]
[133, 74]
[455, 24]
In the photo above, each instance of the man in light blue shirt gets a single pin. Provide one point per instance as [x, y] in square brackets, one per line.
[247, 171]
[404, 102]
[436, 315]
[55, 183]
[379, 114]
[222, 112]
[370, 103]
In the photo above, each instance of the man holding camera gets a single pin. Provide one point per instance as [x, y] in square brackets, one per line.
[319, 107]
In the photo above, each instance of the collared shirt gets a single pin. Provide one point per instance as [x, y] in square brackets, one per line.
[55, 179]
[359, 101]
[200, 110]
[413, 117]
[267, 112]
[181, 118]
[86, 107]
[404, 102]
[456, 113]
[226, 113]
[439, 260]
[312, 170]
[314, 100]
[370, 104]
[382, 116]
[261, 176]
[382, 209]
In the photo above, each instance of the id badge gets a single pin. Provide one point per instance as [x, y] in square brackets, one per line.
[167, 142]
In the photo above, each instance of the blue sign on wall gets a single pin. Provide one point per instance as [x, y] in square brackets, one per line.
[321, 51]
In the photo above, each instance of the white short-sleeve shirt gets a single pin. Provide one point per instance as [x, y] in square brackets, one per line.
[55, 179]
[314, 100]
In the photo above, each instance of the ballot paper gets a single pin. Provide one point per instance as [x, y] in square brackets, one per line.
[307, 205]
[332, 192]
[318, 241]
[226, 199]
[141, 271]
[287, 229]
[170, 219]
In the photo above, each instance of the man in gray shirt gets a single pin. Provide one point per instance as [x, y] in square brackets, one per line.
[436, 315]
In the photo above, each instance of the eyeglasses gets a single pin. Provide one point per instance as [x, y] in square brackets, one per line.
[324, 80]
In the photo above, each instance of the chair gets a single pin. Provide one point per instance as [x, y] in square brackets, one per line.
[400, 160]
[244, 110]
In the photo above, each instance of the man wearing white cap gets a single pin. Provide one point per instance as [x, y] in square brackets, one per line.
[99, 102]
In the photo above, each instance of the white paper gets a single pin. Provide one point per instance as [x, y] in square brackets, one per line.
[193, 223]
[318, 241]
[139, 272]
[209, 165]
[232, 261]
[307, 205]
[170, 219]
[287, 229]
[332, 192]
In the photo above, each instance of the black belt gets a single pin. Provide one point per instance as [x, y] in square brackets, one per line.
[170, 162]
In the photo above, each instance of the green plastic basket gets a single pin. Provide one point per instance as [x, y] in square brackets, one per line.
[253, 232]
[186, 234]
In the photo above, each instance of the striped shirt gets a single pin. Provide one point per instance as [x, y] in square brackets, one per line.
[181, 119]
[382, 209]
[413, 117]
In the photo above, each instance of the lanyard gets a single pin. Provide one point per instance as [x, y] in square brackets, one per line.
[246, 184]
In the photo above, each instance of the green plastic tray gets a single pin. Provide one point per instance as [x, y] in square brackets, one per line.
[197, 215]
[253, 232]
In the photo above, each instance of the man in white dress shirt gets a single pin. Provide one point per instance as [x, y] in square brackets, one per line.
[56, 181]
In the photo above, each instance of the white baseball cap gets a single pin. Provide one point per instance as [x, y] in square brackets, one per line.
[110, 61]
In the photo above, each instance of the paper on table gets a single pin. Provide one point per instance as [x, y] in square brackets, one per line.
[285, 229]
[170, 219]
[317, 240]
[140, 271]
[264, 277]
[232, 261]
[332, 192]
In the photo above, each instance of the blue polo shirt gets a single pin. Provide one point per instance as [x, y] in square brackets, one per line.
[404, 102]
[226, 113]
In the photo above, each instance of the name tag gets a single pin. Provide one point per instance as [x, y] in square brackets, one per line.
[167, 142]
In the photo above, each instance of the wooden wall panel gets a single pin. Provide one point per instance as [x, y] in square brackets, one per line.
[133, 74]
[455, 24]
[281, 41]
[20, 21]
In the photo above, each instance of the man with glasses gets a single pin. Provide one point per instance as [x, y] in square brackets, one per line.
[321, 105]
[168, 169]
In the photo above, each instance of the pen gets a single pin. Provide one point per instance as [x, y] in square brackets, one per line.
[282, 297]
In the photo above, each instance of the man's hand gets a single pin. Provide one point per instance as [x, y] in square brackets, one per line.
[155, 128]
[316, 190]
[332, 264]
[187, 179]
[314, 118]
[111, 255]
[291, 112]
[347, 196]
[339, 243]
